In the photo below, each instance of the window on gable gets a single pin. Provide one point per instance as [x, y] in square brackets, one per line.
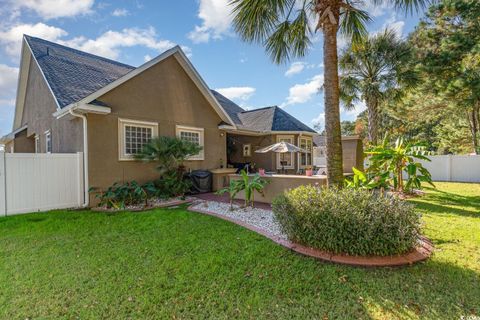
[195, 135]
[133, 136]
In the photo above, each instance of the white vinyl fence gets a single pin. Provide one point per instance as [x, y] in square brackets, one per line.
[39, 182]
[457, 168]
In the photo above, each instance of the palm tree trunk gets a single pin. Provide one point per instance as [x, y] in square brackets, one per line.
[332, 106]
[372, 109]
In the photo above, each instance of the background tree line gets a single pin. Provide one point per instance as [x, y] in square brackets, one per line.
[425, 87]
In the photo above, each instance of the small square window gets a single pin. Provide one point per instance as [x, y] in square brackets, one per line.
[133, 136]
[195, 135]
[247, 150]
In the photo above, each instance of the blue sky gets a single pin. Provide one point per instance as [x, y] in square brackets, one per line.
[135, 31]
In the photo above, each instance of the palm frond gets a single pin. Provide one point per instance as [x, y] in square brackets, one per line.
[254, 20]
[408, 6]
[353, 23]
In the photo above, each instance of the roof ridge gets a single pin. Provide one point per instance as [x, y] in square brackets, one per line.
[28, 37]
[263, 108]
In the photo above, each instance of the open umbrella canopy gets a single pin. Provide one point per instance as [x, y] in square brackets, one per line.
[281, 147]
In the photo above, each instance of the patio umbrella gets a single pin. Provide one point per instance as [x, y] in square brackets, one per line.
[281, 147]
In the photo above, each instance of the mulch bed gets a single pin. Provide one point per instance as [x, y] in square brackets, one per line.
[169, 203]
[422, 252]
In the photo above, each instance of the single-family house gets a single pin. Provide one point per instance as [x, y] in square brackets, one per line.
[72, 101]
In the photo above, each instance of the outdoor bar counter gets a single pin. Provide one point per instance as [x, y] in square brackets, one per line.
[278, 183]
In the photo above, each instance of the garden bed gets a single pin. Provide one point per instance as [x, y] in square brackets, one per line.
[151, 204]
[263, 222]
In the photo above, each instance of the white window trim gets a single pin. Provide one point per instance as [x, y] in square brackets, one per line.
[37, 143]
[201, 131]
[300, 166]
[48, 133]
[292, 139]
[122, 156]
[249, 150]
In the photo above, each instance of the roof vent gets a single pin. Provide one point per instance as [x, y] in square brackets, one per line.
[48, 51]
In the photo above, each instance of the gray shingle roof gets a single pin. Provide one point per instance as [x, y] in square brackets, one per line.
[263, 119]
[73, 74]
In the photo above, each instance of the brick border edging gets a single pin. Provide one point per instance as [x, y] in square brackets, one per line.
[163, 205]
[422, 252]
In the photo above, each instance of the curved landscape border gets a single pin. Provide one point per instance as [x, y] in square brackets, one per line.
[422, 252]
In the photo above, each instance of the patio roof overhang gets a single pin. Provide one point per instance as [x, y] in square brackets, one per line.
[241, 130]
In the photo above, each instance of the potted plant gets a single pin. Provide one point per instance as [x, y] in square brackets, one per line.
[309, 171]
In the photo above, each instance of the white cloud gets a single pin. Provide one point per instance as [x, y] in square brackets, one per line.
[109, 43]
[392, 24]
[397, 26]
[237, 93]
[11, 39]
[295, 68]
[216, 18]
[50, 9]
[319, 122]
[147, 58]
[301, 93]
[120, 12]
[8, 81]
[376, 10]
[8, 86]
[352, 114]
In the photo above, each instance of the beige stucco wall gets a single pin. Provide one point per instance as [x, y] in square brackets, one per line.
[278, 184]
[23, 144]
[267, 161]
[39, 106]
[163, 94]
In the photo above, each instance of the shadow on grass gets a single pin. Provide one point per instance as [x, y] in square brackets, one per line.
[438, 201]
[432, 290]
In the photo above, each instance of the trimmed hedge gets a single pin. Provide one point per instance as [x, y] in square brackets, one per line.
[347, 221]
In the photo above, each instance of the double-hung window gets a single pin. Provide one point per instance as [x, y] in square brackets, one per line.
[195, 135]
[48, 141]
[285, 160]
[305, 159]
[133, 136]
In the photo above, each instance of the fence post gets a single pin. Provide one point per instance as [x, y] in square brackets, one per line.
[449, 167]
[3, 182]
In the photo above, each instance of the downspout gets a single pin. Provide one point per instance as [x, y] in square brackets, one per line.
[86, 199]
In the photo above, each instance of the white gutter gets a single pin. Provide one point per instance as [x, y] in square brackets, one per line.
[86, 199]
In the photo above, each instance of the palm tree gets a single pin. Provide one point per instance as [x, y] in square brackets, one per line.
[284, 27]
[375, 70]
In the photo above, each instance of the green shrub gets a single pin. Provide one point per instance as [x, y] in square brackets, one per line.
[350, 221]
[120, 195]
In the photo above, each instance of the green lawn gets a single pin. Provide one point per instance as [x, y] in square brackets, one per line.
[171, 263]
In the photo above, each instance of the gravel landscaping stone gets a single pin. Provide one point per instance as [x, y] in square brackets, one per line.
[259, 218]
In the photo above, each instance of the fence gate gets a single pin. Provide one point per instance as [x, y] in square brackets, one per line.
[38, 182]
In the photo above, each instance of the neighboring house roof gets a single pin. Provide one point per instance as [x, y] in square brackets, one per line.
[262, 120]
[73, 74]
